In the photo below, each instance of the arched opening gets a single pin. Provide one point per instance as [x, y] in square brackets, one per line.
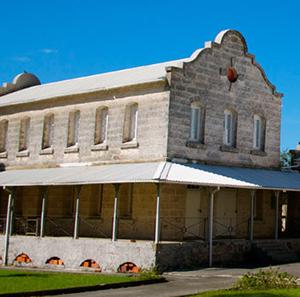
[90, 263]
[129, 267]
[23, 258]
[55, 261]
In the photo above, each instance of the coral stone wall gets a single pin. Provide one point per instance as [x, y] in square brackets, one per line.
[151, 130]
[204, 80]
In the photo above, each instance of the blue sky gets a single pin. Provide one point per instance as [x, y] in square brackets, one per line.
[69, 38]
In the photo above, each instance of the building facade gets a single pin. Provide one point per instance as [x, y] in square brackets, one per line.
[146, 167]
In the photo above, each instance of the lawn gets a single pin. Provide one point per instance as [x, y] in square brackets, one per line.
[250, 293]
[17, 280]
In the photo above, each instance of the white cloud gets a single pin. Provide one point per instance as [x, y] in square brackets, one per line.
[49, 51]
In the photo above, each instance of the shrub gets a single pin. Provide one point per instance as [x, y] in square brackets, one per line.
[266, 279]
[151, 273]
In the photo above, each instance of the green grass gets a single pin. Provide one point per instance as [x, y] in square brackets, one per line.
[250, 293]
[17, 280]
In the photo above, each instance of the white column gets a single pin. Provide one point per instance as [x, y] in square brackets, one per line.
[277, 193]
[211, 226]
[157, 218]
[76, 222]
[12, 206]
[8, 226]
[44, 199]
[252, 193]
[115, 217]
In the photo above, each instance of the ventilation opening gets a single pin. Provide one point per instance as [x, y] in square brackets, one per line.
[23, 258]
[129, 267]
[55, 261]
[90, 263]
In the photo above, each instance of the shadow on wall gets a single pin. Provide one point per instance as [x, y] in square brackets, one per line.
[2, 167]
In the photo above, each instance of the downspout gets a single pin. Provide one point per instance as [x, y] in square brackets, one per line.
[11, 193]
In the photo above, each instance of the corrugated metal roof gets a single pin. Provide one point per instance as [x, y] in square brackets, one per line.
[224, 176]
[115, 173]
[167, 172]
[109, 80]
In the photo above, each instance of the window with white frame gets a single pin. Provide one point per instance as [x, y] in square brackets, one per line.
[197, 123]
[130, 123]
[3, 135]
[258, 133]
[101, 125]
[73, 128]
[48, 131]
[230, 124]
[24, 134]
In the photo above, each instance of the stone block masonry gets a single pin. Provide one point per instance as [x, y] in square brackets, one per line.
[203, 80]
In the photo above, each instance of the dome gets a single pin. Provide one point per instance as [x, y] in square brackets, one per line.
[26, 80]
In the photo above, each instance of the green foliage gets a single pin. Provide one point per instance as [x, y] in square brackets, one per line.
[266, 279]
[285, 158]
[253, 293]
[151, 273]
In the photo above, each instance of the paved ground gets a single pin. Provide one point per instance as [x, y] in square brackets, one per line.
[184, 283]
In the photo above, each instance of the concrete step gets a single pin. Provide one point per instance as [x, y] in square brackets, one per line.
[275, 252]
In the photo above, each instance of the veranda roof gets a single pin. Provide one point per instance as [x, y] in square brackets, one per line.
[165, 172]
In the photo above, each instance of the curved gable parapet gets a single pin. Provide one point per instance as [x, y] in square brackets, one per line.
[224, 38]
[221, 38]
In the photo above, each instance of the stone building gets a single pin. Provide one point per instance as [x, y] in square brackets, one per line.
[170, 165]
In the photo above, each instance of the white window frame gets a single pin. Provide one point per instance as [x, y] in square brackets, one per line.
[101, 125]
[3, 135]
[257, 132]
[196, 120]
[73, 128]
[48, 131]
[228, 128]
[24, 134]
[130, 127]
[133, 122]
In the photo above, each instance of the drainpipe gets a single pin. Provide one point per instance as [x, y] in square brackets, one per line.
[11, 193]
[157, 219]
[76, 222]
[252, 193]
[115, 217]
[43, 210]
[211, 222]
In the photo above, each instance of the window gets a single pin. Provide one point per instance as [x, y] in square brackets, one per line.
[73, 128]
[197, 123]
[130, 123]
[259, 133]
[230, 125]
[3, 135]
[125, 201]
[24, 134]
[101, 124]
[48, 131]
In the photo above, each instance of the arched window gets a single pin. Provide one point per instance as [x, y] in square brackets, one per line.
[101, 125]
[130, 123]
[48, 131]
[24, 134]
[73, 128]
[3, 135]
[197, 123]
[230, 128]
[259, 125]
